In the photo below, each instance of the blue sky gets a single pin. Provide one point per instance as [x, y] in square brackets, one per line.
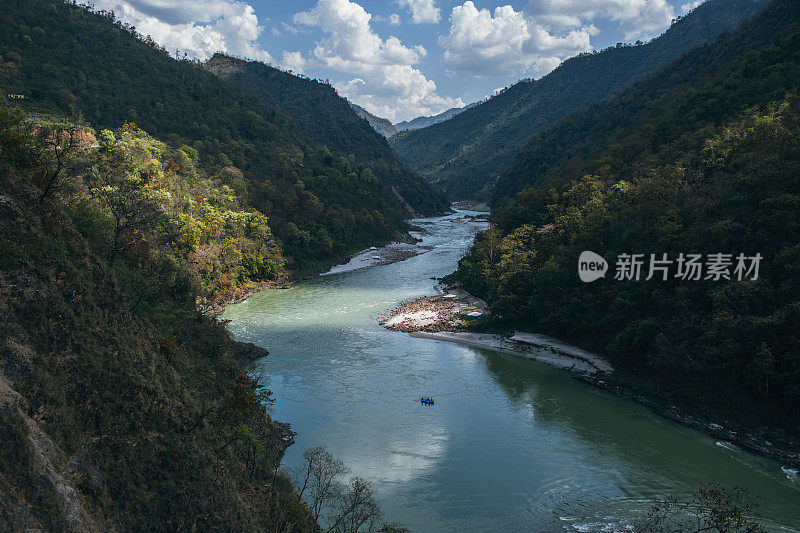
[401, 58]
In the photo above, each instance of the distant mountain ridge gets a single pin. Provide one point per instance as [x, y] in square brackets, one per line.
[424, 122]
[387, 129]
[381, 125]
[466, 153]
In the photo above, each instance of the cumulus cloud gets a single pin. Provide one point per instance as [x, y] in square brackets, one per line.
[385, 81]
[198, 28]
[293, 61]
[394, 19]
[506, 43]
[422, 10]
[691, 5]
[636, 18]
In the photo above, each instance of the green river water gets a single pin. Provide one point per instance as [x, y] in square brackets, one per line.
[511, 445]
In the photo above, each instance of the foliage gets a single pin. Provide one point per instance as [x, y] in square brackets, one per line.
[109, 375]
[692, 180]
[328, 119]
[466, 154]
[323, 203]
[152, 200]
[652, 121]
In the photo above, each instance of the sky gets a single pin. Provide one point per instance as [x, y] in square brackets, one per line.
[401, 59]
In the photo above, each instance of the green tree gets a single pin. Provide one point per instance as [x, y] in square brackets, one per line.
[123, 182]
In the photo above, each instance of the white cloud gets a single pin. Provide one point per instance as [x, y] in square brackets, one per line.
[636, 18]
[691, 5]
[506, 43]
[394, 19]
[198, 28]
[293, 61]
[385, 81]
[289, 28]
[422, 10]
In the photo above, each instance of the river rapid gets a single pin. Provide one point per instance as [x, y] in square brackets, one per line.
[510, 445]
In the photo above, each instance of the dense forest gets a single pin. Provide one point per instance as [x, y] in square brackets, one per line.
[330, 121]
[323, 204]
[121, 406]
[465, 154]
[702, 157]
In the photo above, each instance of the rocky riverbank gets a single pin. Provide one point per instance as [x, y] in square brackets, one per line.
[238, 295]
[448, 311]
[385, 255]
[446, 317]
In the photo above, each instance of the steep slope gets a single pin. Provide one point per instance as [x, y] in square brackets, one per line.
[466, 153]
[328, 119]
[121, 408]
[706, 87]
[381, 125]
[701, 158]
[322, 205]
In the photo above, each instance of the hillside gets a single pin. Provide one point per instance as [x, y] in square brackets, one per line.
[465, 154]
[381, 125]
[705, 88]
[121, 407]
[328, 119]
[700, 158]
[322, 204]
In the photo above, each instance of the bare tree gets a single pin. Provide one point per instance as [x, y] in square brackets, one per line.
[713, 508]
[357, 509]
[346, 507]
[321, 473]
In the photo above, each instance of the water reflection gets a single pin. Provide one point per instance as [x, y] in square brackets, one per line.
[509, 445]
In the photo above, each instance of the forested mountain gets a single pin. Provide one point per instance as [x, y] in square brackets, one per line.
[121, 406]
[322, 204]
[704, 88]
[330, 121]
[381, 125]
[702, 157]
[466, 153]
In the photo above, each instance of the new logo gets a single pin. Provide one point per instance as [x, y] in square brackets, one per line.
[591, 266]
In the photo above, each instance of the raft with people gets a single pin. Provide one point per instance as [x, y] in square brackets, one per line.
[426, 401]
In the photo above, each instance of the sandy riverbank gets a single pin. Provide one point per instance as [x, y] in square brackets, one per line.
[445, 317]
[448, 311]
[530, 346]
[385, 255]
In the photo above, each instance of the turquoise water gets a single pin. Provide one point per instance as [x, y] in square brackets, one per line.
[510, 445]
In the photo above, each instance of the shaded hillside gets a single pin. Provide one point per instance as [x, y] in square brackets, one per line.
[704, 88]
[121, 407]
[381, 125]
[328, 119]
[701, 158]
[322, 205]
[466, 153]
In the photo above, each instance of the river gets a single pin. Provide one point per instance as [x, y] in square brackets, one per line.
[510, 444]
